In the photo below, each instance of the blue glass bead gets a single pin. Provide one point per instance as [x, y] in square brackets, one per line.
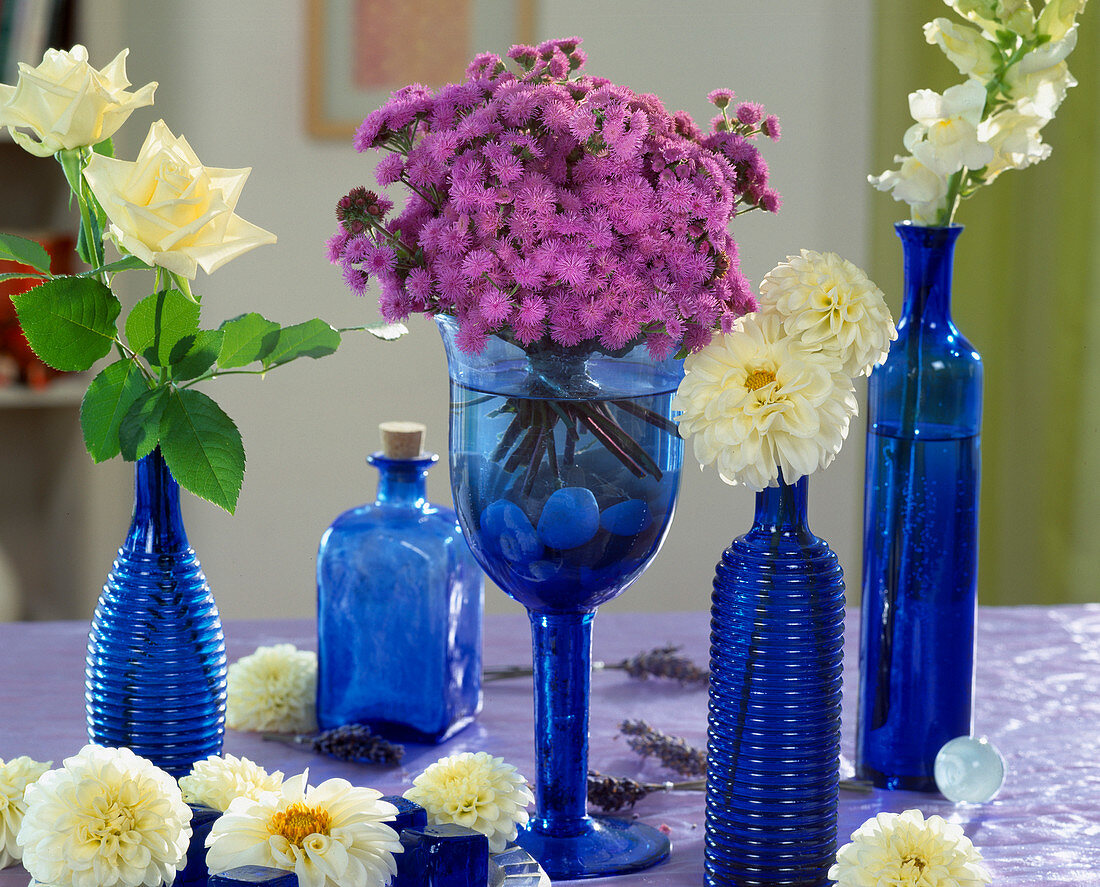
[443, 855]
[254, 874]
[569, 518]
[409, 813]
[506, 530]
[627, 518]
[969, 770]
[194, 874]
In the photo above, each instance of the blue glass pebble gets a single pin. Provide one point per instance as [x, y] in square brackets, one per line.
[969, 770]
[443, 855]
[569, 518]
[409, 813]
[627, 518]
[507, 531]
[194, 873]
[254, 874]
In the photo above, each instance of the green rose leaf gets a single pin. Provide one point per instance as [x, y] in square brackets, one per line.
[248, 338]
[158, 322]
[68, 321]
[139, 431]
[202, 447]
[194, 355]
[24, 251]
[314, 338]
[107, 400]
[127, 263]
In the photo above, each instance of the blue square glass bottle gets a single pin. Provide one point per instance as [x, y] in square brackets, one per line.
[399, 599]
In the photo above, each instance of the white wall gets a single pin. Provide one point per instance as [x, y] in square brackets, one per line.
[232, 79]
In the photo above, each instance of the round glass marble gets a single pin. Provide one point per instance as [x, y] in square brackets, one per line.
[969, 769]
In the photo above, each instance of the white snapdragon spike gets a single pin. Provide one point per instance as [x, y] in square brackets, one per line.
[273, 689]
[331, 835]
[756, 401]
[478, 791]
[831, 305]
[946, 136]
[1040, 80]
[907, 850]
[15, 776]
[169, 210]
[918, 185]
[66, 103]
[219, 780]
[106, 818]
[965, 47]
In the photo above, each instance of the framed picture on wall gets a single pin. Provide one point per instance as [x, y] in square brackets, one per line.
[362, 50]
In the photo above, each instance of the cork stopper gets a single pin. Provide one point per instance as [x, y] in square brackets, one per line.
[402, 440]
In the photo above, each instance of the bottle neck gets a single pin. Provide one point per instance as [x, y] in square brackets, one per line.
[929, 254]
[783, 508]
[402, 481]
[157, 523]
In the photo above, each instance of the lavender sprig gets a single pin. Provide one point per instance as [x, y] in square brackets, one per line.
[660, 662]
[672, 751]
[610, 793]
[352, 742]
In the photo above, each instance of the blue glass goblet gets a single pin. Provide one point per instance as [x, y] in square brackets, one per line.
[565, 466]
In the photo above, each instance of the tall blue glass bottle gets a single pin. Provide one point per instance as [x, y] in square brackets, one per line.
[920, 556]
[399, 601]
[773, 730]
[156, 671]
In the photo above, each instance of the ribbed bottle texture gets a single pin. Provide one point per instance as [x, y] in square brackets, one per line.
[155, 678]
[774, 716]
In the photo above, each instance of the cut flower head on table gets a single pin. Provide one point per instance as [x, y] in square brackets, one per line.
[1014, 60]
[543, 204]
[773, 398]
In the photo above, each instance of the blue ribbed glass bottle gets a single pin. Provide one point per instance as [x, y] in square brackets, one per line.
[920, 543]
[773, 739]
[399, 601]
[155, 671]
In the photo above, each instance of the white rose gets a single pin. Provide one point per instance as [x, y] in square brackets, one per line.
[66, 103]
[964, 46]
[169, 210]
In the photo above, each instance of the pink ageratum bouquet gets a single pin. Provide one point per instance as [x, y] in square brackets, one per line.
[545, 205]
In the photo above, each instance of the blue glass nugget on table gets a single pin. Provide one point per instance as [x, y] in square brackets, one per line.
[194, 874]
[443, 855]
[399, 599]
[409, 813]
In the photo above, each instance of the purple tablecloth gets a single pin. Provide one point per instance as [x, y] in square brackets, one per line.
[1038, 700]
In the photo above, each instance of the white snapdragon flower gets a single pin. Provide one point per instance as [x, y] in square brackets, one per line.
[923, 188]
[1015, 140]
[1039, 81]
[945, 138]
[965, 47]
[1058, 18]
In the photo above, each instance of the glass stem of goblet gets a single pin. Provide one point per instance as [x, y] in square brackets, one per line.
[562, 656]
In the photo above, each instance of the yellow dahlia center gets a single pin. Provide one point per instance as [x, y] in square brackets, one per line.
[298, 821]
[758, 379]
[915, 862]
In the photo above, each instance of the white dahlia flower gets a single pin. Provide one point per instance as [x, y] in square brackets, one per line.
[217, 781]
[907, 850]
[273, 689]
[331, 835]
[478, 791]
[831, 305]
[107, 818]
[15, 776]
[757, 401]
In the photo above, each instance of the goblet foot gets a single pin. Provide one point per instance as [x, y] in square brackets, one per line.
[606, 846]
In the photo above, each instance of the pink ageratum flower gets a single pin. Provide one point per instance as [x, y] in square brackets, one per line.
[548, 203]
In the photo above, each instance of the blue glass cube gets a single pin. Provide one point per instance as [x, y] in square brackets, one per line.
[254, 874]
[409, 813]
[442, 856]
[194, 873]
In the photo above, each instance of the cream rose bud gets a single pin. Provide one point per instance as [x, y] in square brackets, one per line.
[66, 103]
[169, 210]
